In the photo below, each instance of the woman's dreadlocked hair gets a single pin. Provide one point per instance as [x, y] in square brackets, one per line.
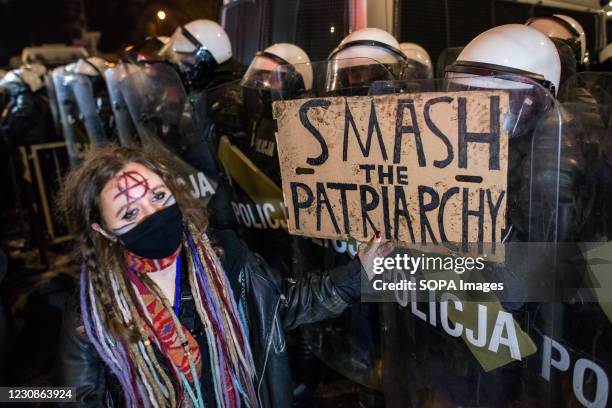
[109, 304]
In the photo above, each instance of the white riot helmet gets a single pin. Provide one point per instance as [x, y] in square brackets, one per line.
[516, 58]
[362, 57]
[414, 52]
[24, 76]
[517, 52]
[565, 28]
[198, 47]
[92, 66]
[282, 68]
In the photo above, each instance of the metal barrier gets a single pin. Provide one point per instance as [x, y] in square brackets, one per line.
[47, 163]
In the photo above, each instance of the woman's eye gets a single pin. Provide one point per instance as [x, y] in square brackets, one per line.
[130, 214]
[159, 196]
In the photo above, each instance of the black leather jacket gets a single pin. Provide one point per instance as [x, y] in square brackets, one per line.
[275, 306]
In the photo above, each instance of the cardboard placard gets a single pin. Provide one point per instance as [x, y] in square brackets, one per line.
[421, 168]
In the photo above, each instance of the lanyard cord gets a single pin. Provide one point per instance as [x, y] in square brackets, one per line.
[177, 287]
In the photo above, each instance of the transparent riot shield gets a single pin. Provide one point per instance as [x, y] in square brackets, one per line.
[349, 344]
[245, 133]
[587, 87]
[455, 341]
[80, 111]
[89, 109]
[538, 338]
[587, 97]
[446, 58]
[72, 125]
[126, 130]
[160, 110]
[587, 105]
[53, 102]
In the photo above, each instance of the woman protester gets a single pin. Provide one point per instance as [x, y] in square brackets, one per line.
[171, 313]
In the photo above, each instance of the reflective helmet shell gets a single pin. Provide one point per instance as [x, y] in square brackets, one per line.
[297, 57]
[558, 26]
[210, 34]
[579, 29]
[415, 52]
[377, 53]
[518, 47]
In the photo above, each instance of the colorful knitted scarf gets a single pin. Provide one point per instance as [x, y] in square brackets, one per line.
[139, 264]
[162, 328]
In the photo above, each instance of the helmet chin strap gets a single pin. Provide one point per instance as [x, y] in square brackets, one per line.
[192, 38]
[203, 56]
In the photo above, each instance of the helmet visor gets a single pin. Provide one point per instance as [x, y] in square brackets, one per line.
[355, 75]
[416, 70]
[267, 73]
[529, 100]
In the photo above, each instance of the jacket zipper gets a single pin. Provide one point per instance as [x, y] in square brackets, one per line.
[270, 336]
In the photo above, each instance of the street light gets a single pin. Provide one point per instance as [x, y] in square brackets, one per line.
[161, 15]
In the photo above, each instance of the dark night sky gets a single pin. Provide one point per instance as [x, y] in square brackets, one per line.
[33, 22]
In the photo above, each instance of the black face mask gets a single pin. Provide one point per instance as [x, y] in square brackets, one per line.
[156, 237]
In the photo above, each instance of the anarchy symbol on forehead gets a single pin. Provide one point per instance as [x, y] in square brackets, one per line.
[132, 185]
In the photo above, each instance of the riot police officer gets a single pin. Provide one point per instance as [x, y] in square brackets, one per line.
[92, 69]
[144, 52]
[352, 342]
[24, 120]
[545, 174]
[281, 71]
[83, 105]
[567, 29]
[422, 66]
[252, 174]
[363, 57]
[203, 52]
[24, 117]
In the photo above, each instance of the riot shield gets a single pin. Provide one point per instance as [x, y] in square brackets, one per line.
[446, 58]
[88, 106]
[349, 344]
[527, 207]
[160, 110]
[71, 121]
[445, 345]
[588, 108]
[245, 135]
[587, 104]
[53, 102]
[588, 96]
[126, 130]
[587, 87]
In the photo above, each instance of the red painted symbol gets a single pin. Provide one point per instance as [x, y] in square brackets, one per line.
[132, 185]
